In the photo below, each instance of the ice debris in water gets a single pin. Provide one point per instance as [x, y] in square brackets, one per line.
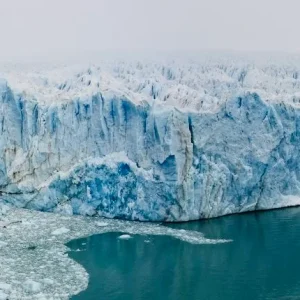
[3, 296]
[32, 286]
[101, 224]
[61, 230]
[2, 244]
[34, 263]
[5, 286]
[124, 237]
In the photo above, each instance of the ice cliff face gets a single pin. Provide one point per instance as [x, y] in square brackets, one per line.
[159, 142]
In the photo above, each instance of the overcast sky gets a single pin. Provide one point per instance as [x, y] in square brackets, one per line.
[30, 27]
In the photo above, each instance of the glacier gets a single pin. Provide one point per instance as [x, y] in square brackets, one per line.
[151, 141]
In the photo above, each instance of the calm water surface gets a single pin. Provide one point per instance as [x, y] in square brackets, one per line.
[262, 262]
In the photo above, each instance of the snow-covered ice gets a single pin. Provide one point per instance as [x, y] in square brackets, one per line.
[151, 140]
[34, 263]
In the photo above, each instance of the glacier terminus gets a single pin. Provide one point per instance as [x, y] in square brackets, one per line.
[151, 140]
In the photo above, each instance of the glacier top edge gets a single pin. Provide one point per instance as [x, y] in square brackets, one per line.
[199, 84]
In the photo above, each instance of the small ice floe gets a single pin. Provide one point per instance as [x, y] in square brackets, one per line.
[2, 244]
[76, 250]
[32, 286]
[6, 224]
[60, 231]
[4, 209]
[101, 224]
[5, 286]
[3, 296]
[125, 237]
[48, 281]
[3, 224]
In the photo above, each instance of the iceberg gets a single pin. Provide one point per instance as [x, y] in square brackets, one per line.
[151, 141]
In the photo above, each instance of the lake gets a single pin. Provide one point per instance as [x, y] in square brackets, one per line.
[261, 262]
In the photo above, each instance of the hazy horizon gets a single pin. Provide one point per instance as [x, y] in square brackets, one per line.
[43, 28]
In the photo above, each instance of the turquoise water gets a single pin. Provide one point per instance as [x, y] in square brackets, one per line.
[262, 262]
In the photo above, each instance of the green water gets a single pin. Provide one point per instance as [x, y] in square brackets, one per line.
[262, 262]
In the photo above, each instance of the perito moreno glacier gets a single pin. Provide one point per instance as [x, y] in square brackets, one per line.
[149, 140]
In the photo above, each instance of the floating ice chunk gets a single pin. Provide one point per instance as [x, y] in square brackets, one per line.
[61, 230]
[2, 244]
[125, 237]
[3, 296]
[64, 209]
[101, 224]
[3, 224]
[5, 286]
[32, 286]
[4, 209]
[48, 281]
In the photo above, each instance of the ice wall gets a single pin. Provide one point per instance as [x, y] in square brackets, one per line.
[109, 155]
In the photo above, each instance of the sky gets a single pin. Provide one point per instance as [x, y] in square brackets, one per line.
[49, 27]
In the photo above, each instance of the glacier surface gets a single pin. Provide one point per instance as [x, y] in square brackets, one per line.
[151, 141]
